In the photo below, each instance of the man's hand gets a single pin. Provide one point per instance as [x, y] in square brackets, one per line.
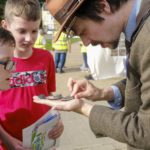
[76, 105]
[85, 89]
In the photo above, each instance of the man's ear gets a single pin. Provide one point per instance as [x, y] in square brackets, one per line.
[4, 24]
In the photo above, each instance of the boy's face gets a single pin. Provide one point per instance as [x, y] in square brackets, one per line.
[6, 53]
[25, 33]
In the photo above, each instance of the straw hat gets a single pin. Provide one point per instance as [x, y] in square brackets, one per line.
[63, 11]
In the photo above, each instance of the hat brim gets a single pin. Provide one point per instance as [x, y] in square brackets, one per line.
[66, 20]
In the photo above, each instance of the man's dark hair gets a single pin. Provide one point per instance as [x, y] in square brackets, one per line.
[92, 8]
[6, 37]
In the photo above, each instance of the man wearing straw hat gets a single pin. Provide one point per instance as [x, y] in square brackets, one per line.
[102, 22]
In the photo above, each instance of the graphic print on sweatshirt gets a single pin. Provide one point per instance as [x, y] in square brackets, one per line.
[30, 78]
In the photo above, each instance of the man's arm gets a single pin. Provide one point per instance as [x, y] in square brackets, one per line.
[117, 102]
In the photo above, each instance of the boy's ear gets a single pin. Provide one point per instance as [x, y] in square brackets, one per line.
[106, 7]
[4, 24]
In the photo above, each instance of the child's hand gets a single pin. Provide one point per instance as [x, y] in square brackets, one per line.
[57, 131]
[14, 144]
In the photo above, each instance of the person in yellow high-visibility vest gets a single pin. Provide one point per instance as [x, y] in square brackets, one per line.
[61, 46]
[85, 66]
[41, 40]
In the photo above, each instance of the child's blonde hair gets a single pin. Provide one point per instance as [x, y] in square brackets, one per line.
[27, 9]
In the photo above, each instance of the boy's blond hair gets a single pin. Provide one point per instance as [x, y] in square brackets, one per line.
[27, 9]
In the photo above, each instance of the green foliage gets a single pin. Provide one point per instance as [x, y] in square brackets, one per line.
[41, 2]
[2, 4]
[48, 45]
[75, 39]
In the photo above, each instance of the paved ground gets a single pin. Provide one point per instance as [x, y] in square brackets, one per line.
[77, 134]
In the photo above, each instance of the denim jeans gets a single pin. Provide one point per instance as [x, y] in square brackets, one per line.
[85, 60]
[60, 59]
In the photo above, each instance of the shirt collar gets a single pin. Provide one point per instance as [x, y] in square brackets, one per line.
[131, 24]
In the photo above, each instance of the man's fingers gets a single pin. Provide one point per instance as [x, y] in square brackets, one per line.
[81, 95]
[70, 84]
[76, 89]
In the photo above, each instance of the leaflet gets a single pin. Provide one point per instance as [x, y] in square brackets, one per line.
[36, 135]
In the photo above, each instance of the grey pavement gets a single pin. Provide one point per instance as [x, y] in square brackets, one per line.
[77, 134]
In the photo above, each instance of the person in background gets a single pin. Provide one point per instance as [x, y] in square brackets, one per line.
[84, 66]
[102, 22]
[34, 75]
[61, 47]
[41, 40]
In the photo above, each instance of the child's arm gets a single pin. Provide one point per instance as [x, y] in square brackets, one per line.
[10, 142]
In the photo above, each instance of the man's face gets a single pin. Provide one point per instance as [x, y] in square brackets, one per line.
[106, 33]
[25, 33]
[6, 53]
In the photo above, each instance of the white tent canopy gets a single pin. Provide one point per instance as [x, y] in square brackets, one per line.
[102, 65]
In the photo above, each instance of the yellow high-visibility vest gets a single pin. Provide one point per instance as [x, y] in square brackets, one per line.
[38, 42]
[83, 49]
[61, 43]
